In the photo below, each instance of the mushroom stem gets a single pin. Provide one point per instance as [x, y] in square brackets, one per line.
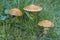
[31, 13]
[16, 18]
[45, 32]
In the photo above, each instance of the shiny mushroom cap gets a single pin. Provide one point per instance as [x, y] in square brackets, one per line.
[15, 12]
[46, 23]
[32, 8]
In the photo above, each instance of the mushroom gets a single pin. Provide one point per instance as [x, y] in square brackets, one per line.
[46, 24]
[15, 12]
[32, 8]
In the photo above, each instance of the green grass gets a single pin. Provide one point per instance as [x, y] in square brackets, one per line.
[23, 28]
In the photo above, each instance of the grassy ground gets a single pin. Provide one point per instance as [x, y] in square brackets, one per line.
[23, 28]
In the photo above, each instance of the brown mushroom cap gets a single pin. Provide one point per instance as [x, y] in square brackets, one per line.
[46, 23]
[32, 8]
[15, 12]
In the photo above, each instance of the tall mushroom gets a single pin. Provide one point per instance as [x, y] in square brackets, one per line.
[46, 24]
[32, 8]
[15, 12]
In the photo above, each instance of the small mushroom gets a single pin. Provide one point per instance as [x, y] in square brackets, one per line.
[15, 12]
[46, 24]
[32, 8]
